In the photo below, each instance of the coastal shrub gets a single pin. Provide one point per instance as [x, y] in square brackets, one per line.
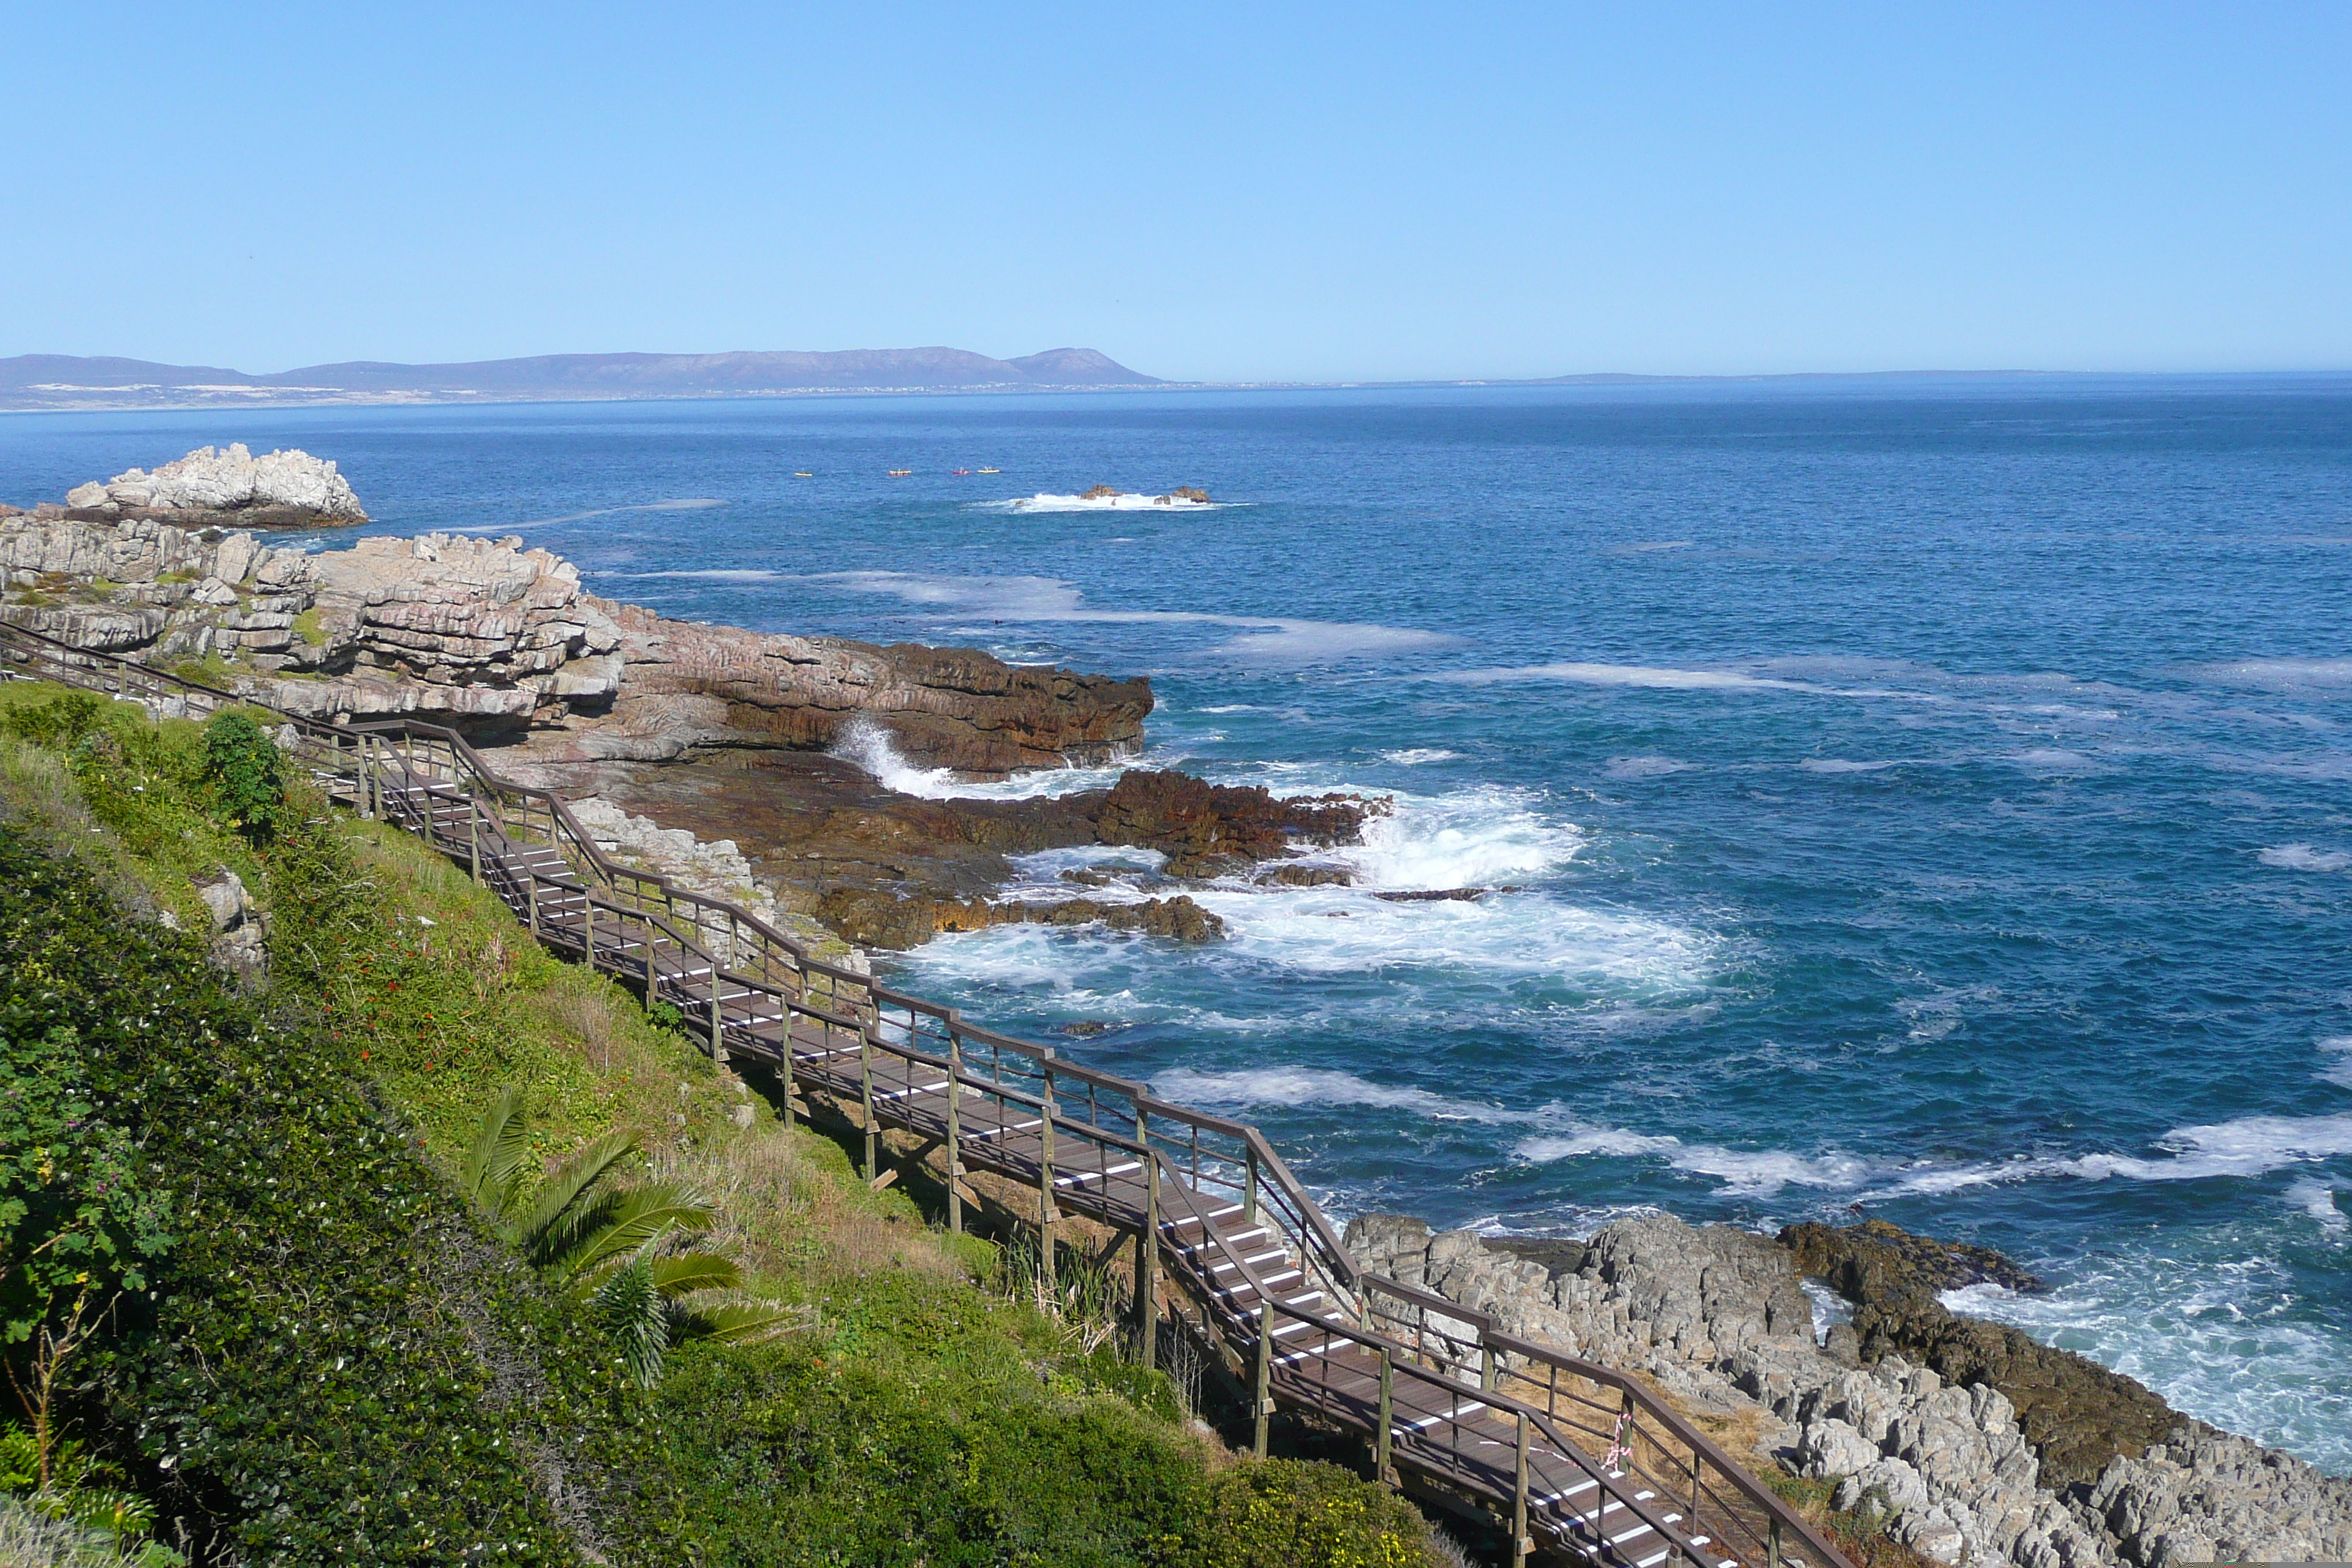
[298, 1378]
[78, 1225]
[855, 1460]
[247, 773]
[1282, 1512]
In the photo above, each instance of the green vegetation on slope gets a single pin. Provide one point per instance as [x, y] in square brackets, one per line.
[327, 1354]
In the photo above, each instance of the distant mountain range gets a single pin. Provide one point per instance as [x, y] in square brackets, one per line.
[67, 381]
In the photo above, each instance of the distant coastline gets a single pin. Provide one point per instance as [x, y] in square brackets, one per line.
[68, 382]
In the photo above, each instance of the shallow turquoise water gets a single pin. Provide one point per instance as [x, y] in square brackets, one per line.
[1929, 798]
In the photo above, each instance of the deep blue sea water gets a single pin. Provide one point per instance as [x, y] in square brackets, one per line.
[1925, 797]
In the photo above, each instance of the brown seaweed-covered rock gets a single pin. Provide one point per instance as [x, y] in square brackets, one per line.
[873, 918]
[2077, 1415]
[1207, 829]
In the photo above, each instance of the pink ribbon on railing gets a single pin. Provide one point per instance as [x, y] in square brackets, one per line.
[1621, 1452]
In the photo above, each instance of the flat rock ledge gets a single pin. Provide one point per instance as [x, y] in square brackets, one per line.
[1719, 1319]
[501, 641]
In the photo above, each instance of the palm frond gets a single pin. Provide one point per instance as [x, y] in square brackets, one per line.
[564, 1189]
[496, 1156]
[636, 1216]
[741, 1322]
[633, 1312]
[683, 1273]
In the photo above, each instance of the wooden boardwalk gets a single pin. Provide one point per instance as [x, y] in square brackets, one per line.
[1572, 1458]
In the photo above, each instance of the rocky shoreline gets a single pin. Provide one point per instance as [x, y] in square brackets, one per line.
[1978, 1444]
[705, 753]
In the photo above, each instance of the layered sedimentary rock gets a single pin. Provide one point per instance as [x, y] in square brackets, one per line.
[690, 684]
[499, 639]
[1717, 1318]
[229, 486]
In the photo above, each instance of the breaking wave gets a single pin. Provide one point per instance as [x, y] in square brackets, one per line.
[870, 746]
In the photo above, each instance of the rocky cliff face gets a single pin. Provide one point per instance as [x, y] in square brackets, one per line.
[687, 685]
[502, 640]
[1998, 1462]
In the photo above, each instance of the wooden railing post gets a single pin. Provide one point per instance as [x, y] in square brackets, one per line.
[1485, 1365]
[1520, 1545]
[1046, 1214]
[788, 1066]
[588, 927]
[1265, 1381]
[1381, 1470]
[955, 1134]
[473, 836]
[530, 892]
[1249, 1193]
[717, 1023]
[866, 1098]
[1772, 1544]
[647, 926]
[1147, 1264]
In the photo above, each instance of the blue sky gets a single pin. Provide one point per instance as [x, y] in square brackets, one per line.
[1219, 191]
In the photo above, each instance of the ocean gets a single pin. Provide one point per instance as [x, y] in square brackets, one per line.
[1919, 798]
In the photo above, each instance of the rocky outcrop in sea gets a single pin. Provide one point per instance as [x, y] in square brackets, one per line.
[2035, 1458]
[228, 487]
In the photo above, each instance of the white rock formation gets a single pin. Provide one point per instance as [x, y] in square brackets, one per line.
[230, 479]
[1717, 1317]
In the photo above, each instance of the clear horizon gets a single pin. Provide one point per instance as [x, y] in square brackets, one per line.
[1223, 196]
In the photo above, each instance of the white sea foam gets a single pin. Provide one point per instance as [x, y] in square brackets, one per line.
[1420, 756]
[1257, 639]
[1233, 708]
[2318, 1199]
[2304, 858]
[1296, 1086]
[2056, 758]
[1475, 837]
[2309, 677]
[1759, 1173]
[1830, 1309]
[2189, 1315]
[870, 747]
[1648, 767]
[2339, 1072]
[1844, 765]
[2248, 1146]
[1660, 678]
[1120, 502]
[1743, 1172]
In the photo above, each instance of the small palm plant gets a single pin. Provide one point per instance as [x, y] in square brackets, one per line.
[610, 1245]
